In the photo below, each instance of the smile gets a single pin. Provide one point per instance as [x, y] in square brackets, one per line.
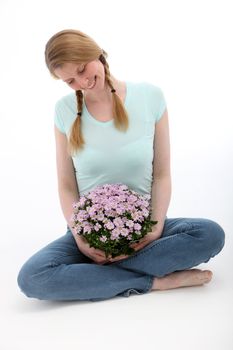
[93, 84]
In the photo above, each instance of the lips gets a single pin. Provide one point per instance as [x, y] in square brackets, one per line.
[92, 85]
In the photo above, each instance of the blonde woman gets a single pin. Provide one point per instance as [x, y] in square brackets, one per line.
[111, 131]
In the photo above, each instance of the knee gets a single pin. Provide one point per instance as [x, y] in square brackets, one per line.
[31, 277]
[24, 280]
[215, 235]
[34, 277]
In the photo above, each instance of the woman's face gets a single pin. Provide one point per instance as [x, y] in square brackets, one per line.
[83, 76]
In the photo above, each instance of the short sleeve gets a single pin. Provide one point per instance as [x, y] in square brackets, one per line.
[58, 118]
[157, 101]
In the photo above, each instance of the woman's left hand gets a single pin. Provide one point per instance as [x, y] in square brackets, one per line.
[148, 238]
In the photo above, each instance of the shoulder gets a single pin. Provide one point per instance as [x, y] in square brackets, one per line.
[66, 100]
[150, 90]
[65, 112]
[154, 98]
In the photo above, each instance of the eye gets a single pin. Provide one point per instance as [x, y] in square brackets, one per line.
[83, 69]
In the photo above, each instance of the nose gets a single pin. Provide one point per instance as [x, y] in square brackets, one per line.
[85, 83]
[81, 83]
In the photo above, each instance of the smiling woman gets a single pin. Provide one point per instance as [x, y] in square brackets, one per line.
[77, 59]
[106, 132]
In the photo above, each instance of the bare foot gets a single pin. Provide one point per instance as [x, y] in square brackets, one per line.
[185, 278]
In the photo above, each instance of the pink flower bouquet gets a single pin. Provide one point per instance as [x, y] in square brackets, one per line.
[111, 217]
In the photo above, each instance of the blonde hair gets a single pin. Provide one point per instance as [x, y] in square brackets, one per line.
[74, 46]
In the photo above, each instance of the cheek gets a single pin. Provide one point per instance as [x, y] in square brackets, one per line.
[90, 72]
[95, 68]
[95, 72]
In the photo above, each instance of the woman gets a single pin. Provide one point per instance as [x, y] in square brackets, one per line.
[110, 131]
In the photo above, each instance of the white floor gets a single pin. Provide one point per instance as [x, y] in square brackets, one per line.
[186, 318]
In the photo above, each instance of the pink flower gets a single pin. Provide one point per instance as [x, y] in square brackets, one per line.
[110, 214]
[97, 227]
[132, 199]
[129, 223]
[124, 232]
[75, 205]
[118, 222]
[87, 228]
[137, 227]
[109, 225]
[100, 217]
[123, 187]
[135, 215]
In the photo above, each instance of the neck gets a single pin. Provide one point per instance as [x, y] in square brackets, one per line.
[104, 95]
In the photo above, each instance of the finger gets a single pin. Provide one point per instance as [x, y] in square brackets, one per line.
[142, 241]
[139, 242]
[120, 257]
[140, 246]
[100, 255]
[98, 252]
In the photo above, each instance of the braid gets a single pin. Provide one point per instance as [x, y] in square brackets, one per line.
[76, 136]
[107, 72]
[79, 96]
[119, 112]
[121, 121]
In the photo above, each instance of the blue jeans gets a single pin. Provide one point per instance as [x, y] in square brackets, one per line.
[59, 271]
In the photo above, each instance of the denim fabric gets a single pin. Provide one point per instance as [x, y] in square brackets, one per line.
[59, 271]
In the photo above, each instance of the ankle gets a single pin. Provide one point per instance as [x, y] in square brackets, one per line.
[157, 283]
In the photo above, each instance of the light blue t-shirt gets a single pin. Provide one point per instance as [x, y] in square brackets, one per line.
[110, 155]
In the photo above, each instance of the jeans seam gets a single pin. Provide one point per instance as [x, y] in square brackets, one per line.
[138, 290]
[143, 251]
[150, 283]
[146, 249]
[53, 264]
[56, 263]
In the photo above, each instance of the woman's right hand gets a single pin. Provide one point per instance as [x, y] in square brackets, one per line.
[97, 255]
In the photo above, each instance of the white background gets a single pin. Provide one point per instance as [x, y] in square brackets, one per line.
[184, 47]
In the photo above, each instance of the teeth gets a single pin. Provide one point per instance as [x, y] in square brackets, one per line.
[89, 87]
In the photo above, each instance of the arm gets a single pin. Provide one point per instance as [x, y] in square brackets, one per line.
[67, 185]
[67, 197]
[68, 193]
[161, 186]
